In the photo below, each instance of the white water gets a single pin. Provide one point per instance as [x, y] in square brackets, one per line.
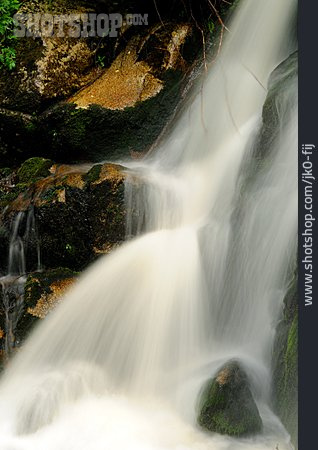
[120, 362]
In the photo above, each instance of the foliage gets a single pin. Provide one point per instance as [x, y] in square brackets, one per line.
[101, 60]
[7, 52]
[211, 26]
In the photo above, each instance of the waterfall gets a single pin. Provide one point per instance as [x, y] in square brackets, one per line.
[23, 240]
[23, 236]
[120, 362]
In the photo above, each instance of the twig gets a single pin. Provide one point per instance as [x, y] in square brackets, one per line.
[219, 47]
[229, 104]
[254, 76]
[157, 10]
[218, 15]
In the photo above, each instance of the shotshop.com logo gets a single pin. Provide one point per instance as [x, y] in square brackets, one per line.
[74, 25]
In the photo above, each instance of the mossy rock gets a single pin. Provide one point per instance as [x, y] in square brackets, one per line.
[97, 133]
[279, 104]
[93, 174]
[18, 137]
[78, 216]
[285, 363]
[275, 104]
[95, 208]
[227, 405]
[64, 230]
[40, 282]
[33, 169]
[69, 134]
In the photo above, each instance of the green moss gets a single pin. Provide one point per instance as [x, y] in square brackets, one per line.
[30, 127]
[97, 133]
[6, 197]
[227, 406]
[5, 172]
[292, 347]
[288, 386]
[50, 194]
[285, 364]
[33, 169]
[224, 426]
[93, 174]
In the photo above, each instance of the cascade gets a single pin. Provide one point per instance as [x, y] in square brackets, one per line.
[120, 362]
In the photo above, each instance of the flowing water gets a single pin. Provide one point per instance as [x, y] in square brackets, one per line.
[119, 364]
[23, 242]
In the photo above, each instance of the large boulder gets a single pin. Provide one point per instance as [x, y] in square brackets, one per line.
[227, 405]
[33, 169]
[95, 133]
[78, 213]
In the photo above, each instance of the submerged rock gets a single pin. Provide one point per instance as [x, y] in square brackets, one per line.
[227, 405]
[275, 104]
[279, 104]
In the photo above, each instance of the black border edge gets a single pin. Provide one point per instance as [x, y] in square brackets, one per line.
[308, 136]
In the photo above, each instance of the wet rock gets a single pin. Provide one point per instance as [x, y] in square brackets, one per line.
[227, 405]
[108, 218]
[116, 115]
[65, 133]
[64, 229]
[278, 87]
[285, 363]
[42, 293]
[46, 67]
[28, 299]
[11, 310]
[279, 105]
[4, 249]
[33, 169]
[130, 78]
[98, 133]
[79, 214]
